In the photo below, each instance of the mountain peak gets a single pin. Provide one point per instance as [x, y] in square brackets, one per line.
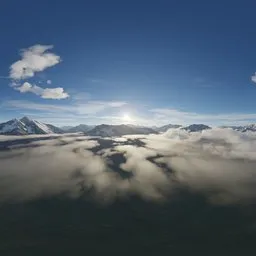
[26, 125]
[196, 127]
[14, 120]
[25, 119]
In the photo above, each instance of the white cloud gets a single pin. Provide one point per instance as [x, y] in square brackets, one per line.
[34, 59]
[45, 93]
[54, 93]
[254, 77]
[27, 87]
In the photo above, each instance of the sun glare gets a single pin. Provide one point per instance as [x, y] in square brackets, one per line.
[127, 118]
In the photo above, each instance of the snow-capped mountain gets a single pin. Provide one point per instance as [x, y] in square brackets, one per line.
[196, 127]
[25, 126]
[14, 127]
[249, 128]
[105, 130]
[245, 128]
[80, 128]
[166, 127]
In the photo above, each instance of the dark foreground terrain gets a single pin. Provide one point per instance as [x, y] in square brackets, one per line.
[58, 225]
[84, 223]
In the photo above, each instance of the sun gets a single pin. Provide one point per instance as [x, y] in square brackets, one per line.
[127, 118]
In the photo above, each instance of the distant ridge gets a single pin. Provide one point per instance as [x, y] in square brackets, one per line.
[25, 126]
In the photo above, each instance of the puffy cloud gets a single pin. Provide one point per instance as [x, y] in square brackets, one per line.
[45, 93]
[33, 59]
[27, 87]
[54, 93]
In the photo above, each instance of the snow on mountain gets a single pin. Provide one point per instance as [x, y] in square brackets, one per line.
[105, 130]
[13, 127]
[245, 128]
[166, 127]
[27, 126]
[249, 128]
[54, 129]
[196, 127]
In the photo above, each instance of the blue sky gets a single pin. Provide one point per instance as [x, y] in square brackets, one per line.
[141, 62]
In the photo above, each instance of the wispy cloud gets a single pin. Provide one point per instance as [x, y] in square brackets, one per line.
[112, 112]
[183, 117]
[88, 108]
[80, 96]
[23, 104]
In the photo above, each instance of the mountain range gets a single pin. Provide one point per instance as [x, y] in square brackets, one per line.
[105, 130]
[78, 128]
[26, 126]
[246, 128]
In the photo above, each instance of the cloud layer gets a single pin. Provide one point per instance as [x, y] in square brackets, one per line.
[218, 164]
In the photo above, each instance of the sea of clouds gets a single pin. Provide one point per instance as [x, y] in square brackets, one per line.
[219, 163]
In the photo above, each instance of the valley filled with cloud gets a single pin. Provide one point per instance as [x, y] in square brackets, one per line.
[219, 163]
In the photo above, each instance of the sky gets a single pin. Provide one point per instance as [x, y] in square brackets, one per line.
[139, 62]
